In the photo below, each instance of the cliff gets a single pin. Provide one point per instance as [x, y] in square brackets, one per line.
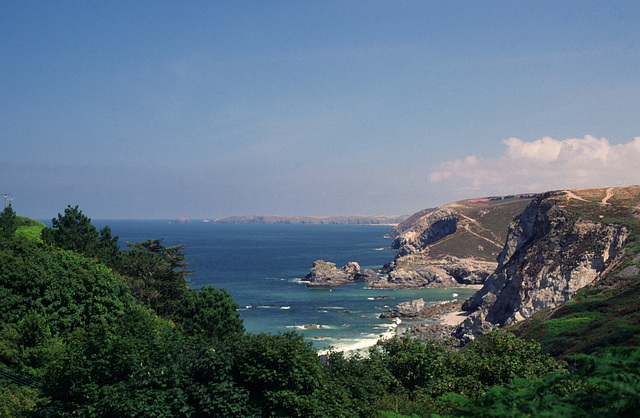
[451, 246]
[562, 242]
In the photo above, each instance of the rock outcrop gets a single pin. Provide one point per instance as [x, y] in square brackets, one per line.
[410, 309]
[550, 252]
[324, 273]
[440, 271]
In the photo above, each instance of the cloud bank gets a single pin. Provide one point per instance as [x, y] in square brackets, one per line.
[545, 164]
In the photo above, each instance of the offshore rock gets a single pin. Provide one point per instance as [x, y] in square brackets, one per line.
[324, 273]
[549, 254]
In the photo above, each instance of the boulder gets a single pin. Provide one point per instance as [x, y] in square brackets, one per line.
[410, 309]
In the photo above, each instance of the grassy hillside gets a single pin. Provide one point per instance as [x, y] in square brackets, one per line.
[606, 313]
[483, 229]
[29, 228]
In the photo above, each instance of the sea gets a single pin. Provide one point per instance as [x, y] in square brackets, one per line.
[263, 266]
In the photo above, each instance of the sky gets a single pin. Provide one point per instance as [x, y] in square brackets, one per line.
[208, 109]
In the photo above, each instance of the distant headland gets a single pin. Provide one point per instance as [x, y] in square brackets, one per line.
[315, 220]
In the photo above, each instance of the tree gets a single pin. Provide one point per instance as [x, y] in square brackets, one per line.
[108, 248]
[155, 273]
[8, 223]
[142, 366]
[286, 379]
[74, 231]
[606, 384]
[68, 289]
[210, 313]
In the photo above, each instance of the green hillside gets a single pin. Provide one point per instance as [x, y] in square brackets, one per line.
[482, 231]
[29, 228]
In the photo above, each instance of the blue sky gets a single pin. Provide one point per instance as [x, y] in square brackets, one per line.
[207, 109]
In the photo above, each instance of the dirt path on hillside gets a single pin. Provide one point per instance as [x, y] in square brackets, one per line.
[481, 227]
[572, 195]
[608, 196]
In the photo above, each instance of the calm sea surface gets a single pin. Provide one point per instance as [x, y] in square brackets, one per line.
[261, 266]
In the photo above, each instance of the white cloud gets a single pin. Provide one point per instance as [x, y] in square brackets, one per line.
[545, 164]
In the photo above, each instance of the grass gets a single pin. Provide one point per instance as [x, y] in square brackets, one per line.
[492, 219]
[29, 228]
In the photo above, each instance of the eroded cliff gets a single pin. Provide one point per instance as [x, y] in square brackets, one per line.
[563, 241]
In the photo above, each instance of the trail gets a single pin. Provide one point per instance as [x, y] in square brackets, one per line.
[467, 227]
[608, 196]
[571, 195]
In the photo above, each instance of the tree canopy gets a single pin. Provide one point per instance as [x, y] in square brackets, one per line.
[8, 223]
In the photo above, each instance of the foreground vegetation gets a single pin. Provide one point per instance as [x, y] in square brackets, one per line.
[89, 329]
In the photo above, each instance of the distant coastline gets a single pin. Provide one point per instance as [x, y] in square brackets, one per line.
[315, 220]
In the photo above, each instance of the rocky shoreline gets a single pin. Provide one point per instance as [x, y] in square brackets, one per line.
[448, 314]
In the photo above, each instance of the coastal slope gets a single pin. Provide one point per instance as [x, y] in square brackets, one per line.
[453, 245]
[562, 242]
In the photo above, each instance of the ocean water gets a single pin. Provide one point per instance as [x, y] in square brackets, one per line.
[262, 267]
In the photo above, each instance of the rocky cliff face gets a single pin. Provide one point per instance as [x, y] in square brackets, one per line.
[420, 270]
[550, 252]
[451, 246]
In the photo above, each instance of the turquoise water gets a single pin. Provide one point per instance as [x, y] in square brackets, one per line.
[261, 266]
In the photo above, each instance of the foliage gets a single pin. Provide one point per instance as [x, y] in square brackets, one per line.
[285, 377]
[210, 313]
[363, 378]
[74, 231]
[604, 386]
[499, 356]
[29, 229]
[155, 273]
[142, 366]
[28, 347]
[67, 289]
[16, 401]
[8, 223]
[406, 376]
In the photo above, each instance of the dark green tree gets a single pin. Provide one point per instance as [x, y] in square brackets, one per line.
[286, 379]
[142, 366]
[108, 247]
[210, 313]
[8, 223]
[69, 290]
[155, 273]
[74, 231]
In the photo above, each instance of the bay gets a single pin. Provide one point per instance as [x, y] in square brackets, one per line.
[262, 266]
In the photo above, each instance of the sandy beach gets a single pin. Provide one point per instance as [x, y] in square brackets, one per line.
[454, 318]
